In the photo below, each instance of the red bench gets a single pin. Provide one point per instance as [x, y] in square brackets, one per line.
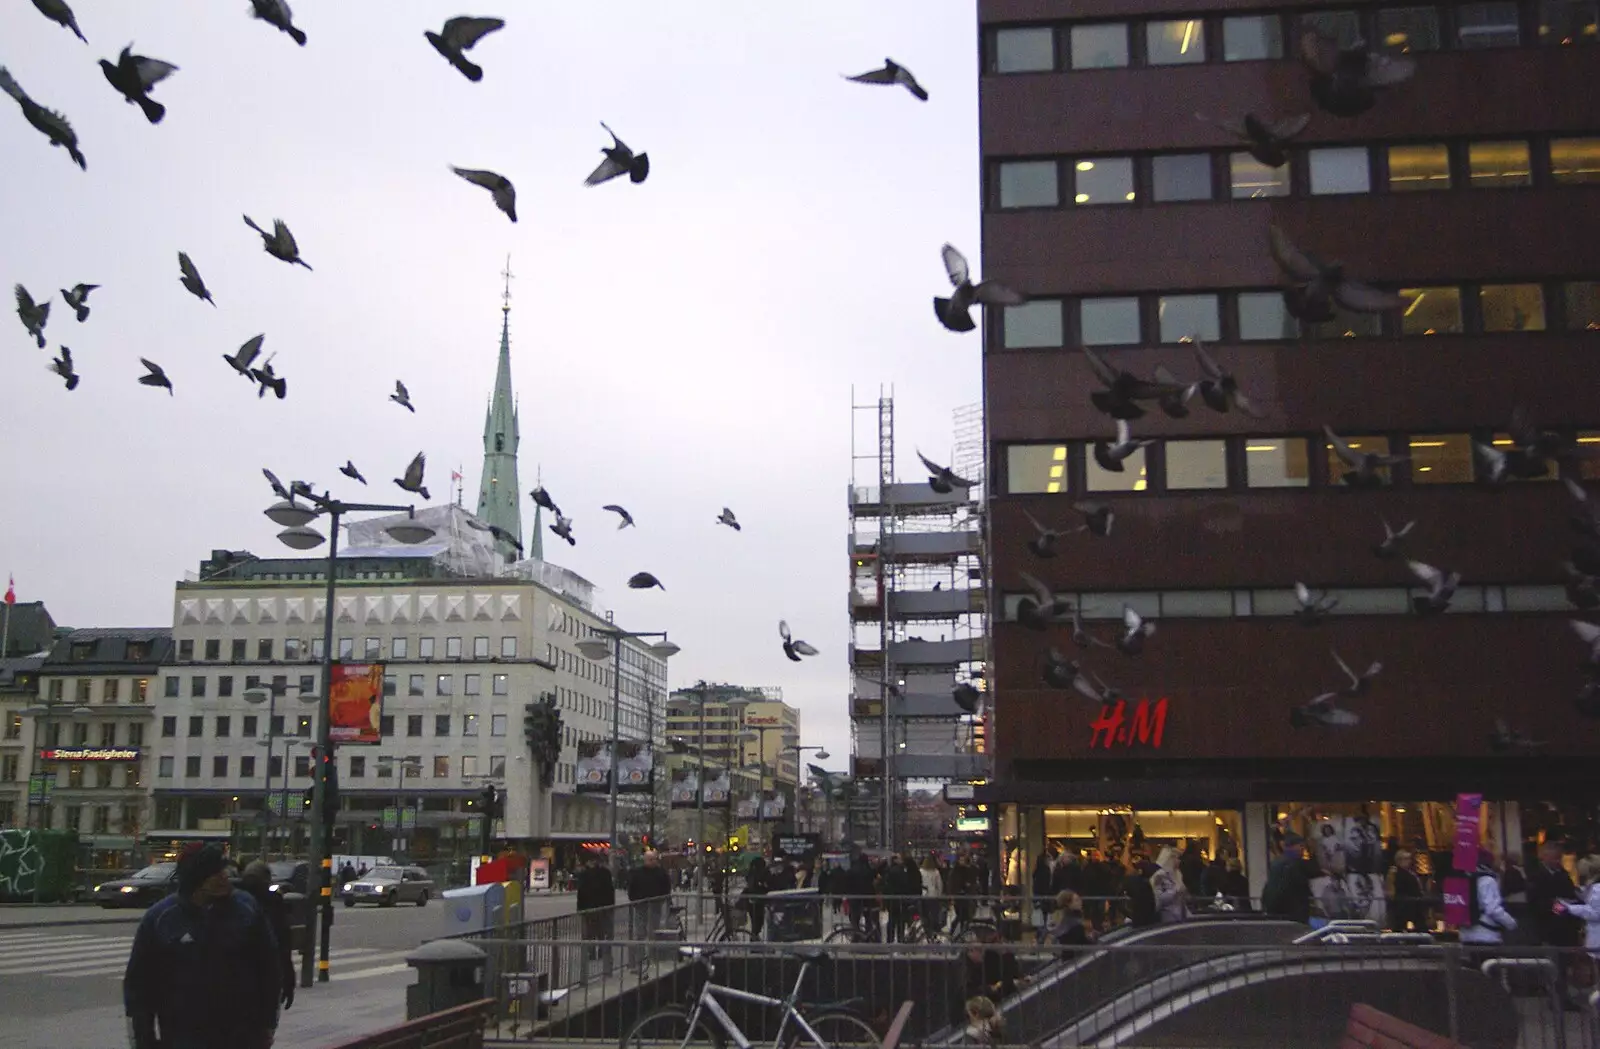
[1370, 1029]
[458, 1028]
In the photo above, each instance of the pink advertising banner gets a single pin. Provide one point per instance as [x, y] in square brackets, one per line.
[1456, 909]
[1465, 857]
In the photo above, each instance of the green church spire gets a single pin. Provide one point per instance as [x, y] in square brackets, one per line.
[536, 541]
[499, 493]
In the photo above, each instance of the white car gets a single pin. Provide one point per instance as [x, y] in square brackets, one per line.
[387, 886]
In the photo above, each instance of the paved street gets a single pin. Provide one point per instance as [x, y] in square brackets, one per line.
[69, 977]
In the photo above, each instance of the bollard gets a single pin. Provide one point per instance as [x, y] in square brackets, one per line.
[449, 973]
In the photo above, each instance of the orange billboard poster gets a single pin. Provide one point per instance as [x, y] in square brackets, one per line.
[355, 703]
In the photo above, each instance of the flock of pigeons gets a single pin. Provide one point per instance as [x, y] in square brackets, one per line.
[1344, 82]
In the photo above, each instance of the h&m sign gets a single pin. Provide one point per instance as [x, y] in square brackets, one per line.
[1117, 728]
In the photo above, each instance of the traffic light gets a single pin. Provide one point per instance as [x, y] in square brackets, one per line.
[493, 802]
[310, 797]
[326, 765]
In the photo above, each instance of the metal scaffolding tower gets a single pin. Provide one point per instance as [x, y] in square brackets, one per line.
[916, 564]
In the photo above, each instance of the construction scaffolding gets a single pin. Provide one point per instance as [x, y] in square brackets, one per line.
[917, 570]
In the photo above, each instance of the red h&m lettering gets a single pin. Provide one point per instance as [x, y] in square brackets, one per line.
[1113, 728]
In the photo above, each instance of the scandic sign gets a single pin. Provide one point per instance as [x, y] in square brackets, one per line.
[90, 754]
[1115, 727]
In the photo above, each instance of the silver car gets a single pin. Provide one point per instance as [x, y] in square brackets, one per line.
[387, 886]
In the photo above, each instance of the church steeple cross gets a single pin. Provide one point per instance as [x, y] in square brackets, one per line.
[505, 299]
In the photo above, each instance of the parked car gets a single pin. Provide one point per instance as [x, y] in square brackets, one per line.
[138, 890]
[288, 876]
[387, 886]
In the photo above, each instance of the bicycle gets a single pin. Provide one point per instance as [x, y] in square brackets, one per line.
[729, 926]
[823, 1025]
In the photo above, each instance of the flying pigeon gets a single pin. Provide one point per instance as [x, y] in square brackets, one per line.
[277, 486]
[1267, 143]
[1218, 388]
[1135, 630]
[1110, 455]
[643, 581]
[563, 528]
[1123, 390]
[402, 396]
[53, 125]
[1359, 683]
[134, 75]
[1390, 547]
[1081, 636]
[33, 314]
[1364, 466]
[542, 498]
[627, 518]
[1097, 517]
[505, 194]
[892, 73]
[458, 36]
[1322, 710]
[727, 518]
[62, 366]
[792, 648]
[955, 313]
[78, 299]
[277, 13]
[1589, 634]
[58, 12]
[1043, 544]
[620, 160]
[350, 471]
[304, 488]
[493, 529]
[1043, 608]
[1505, 739]
[1093, 687]
[154, 376]
[1441, 588]
[269, 380]
[279, 243]
[412, 481]
[243, 360]
[1345, 81]
[191, 279]
[1315, 286]
[1313, 608]
[1059, 671]
[966, 697]
[942, 479]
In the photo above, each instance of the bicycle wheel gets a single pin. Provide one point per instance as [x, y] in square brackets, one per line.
[977, 932]
[668, 1028]
[835, 1029]
[844, 934]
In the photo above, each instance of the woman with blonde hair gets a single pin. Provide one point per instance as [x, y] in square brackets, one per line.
[1069, 929]
[1172, 899]
[1589, 907]
[983, 1021]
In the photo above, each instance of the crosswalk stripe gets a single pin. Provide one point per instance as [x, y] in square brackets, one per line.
[63, 961]
[361, 974]
[41, 938]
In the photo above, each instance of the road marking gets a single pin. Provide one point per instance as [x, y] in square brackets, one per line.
[361, 974]
[42, 937]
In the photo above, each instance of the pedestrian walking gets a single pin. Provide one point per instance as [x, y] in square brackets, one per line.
[597, 895]
[1287, 893]
[1170, 889]
[1547, 883]
[650, 889]
[257, 881]
[204, 970]
[756, 887]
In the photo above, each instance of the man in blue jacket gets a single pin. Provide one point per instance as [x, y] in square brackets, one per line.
[203, 973]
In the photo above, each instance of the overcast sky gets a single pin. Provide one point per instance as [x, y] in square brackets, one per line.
[676, 346]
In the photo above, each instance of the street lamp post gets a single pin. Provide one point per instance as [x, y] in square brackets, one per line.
[38, 767]
[268, 694]
[609, 642]
[822, 755]
[297, 534]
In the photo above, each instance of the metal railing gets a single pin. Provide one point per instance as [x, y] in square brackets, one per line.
[1107, 996]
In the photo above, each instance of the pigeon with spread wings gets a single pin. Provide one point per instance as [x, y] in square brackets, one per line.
[62, 366]
[458, 36]
[626, 518]
[1363, 465]
[58, 12]
[955, 313]
[1316, 287]
[793, 647]
[77, 297]
[620, 160]
[280, 243]
[134, 75]
[892, 73]
[942, 479]
[190, 279]
[1267, 143]
[154, 376]
[276, 13]
[52, 125]
[1345, 81]
[412, 481]
[500, 187]
[34, 314]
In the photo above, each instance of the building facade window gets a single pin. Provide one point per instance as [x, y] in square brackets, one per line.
[1582, 305]
[441, 766]
[219, 767]
[497, 724]
[197, 726]
[386, 725]
[191, 767]
[1567, 22]
[358, 767]
[302, 766]
[398, 648]
[1575, 160]
[1249, 38]
[1511, 307]
[1248, 178]
[480, 648]
[186, 650]
[1025, 49]
[1366, 444]
[1417, 168]
[1407, 29]
[264, 650]
[1264, 316]
[415, 684]
[1343, 27]
[170, 688]
[224, 726]
[224, 686]
[1131, 478]
[213, 649]
[444, 685]
[1338, 169]
[1185, 317]
[1196, 465]
[508, 647]
[501, 685]
[372, 649]
[1036, 468]
[452, 648]
[169, 727]
[247, 726]
[1433, 311]
[1103, 180]
[413, 725]
[1179, 41]
[346, 649]
[469, 724]
[441, 724]
[1493, 24]
[1277, 462]
[1180, 176]
[1099, 46]
[247, 766]
[472, 685]
[236, 650]
[424, 648]
[1498, 165]
[291, 649]
[1441, 459]
[1109, 321]
[1029, 184]
[164, 768]
[1034, 324]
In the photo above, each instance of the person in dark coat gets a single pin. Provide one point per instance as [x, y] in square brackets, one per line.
[1287, 893]
[1408, 908]
[1548, 882]
[861, 882]
[257, 881]
[1068, 875]
[204, 968]
[347, 873]
[756, 887]
[597, 894]
[1191, 866]
[901, 879]
[963, 886]
[1043, 875]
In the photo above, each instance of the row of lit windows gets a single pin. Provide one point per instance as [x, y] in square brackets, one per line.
[81, 775]
[57, 733]
[110, 689]
[1262, 316]
[1324, 170]
[1256, 37]
[412, 767]
[72, 818]
[1354, 601]
[1277, 461]
[371, 649]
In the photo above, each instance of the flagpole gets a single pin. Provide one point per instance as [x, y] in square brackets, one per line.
[5, 632]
